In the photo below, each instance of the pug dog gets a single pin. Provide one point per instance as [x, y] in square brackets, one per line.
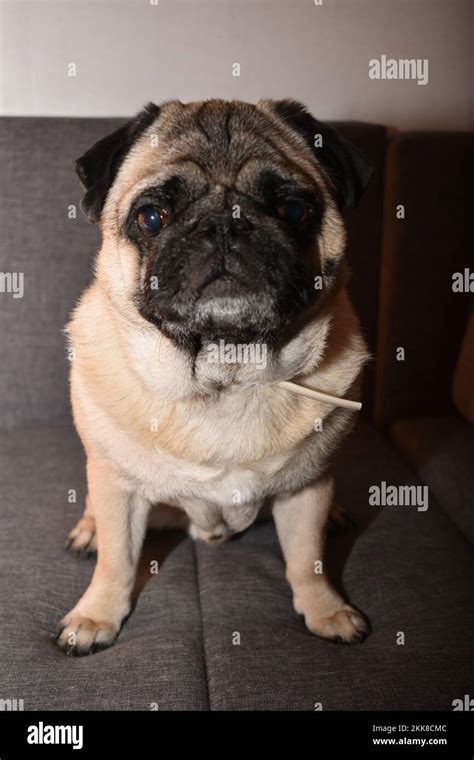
[221, 227]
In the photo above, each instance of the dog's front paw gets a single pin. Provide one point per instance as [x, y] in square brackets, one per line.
[78, 635]
[345, 626]
[82, 539]
[332, 618]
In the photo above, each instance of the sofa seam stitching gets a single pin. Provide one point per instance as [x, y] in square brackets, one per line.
[201, 616]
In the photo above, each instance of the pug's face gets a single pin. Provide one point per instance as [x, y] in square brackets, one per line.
[220, 215]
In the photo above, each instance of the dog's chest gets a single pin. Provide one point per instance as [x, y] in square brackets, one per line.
[211, 495]
[227, 455]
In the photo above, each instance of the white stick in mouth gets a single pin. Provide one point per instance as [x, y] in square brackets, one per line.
[326, 398]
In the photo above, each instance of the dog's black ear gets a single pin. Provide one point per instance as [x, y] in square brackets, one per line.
[98, 167]
[348, 169]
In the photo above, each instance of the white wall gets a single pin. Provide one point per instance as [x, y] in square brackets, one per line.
[130, 51]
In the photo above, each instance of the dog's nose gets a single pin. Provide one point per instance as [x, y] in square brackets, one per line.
[221, 230]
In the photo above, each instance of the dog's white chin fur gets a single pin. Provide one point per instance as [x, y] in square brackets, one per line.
[170, 372]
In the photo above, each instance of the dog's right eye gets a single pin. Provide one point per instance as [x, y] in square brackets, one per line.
[150, 219]
[293, 212]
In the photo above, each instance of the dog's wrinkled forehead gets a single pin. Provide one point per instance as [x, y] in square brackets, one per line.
[217, 139]
[219, 135]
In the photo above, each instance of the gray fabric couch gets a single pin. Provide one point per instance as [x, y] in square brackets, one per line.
[410, 571]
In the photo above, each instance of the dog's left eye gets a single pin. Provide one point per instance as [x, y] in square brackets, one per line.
[151, 219]
[293, 212]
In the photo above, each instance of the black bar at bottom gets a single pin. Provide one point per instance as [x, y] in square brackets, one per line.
[98, 734]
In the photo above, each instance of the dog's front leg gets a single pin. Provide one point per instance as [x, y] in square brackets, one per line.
[121, 518]
[301, 523]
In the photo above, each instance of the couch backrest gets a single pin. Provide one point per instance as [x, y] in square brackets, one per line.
[364, 250]
[422, 314]
[54, 252]
[463, 382]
